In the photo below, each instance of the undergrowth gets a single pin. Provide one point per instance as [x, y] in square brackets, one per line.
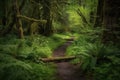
[37, 46]
[14, 69]
[99, 61]
[20, 59]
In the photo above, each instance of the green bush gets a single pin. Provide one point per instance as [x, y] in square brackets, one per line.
[108, 65]
[43, 71]
[18, 57]
[13, 69]
[37, 46]
[94, 56]
[100, 60]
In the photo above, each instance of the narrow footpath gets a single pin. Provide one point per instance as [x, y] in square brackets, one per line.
[65, 70]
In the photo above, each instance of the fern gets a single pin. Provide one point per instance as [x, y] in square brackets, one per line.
[102, 60]
[12, 69]
[43, 71]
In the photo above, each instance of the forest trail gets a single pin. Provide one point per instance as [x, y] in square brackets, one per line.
[65, 70]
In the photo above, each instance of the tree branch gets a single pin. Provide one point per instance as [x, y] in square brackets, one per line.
[32, 19]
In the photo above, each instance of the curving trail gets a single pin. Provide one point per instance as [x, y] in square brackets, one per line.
[65, 70]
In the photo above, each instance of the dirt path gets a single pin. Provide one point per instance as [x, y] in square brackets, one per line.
[65, 70]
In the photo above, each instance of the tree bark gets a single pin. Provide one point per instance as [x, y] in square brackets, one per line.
[32, 19]
[47, 15]
[18, 20]
[99, 15]
[108, 18]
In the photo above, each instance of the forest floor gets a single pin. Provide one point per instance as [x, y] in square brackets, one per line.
[65, 70]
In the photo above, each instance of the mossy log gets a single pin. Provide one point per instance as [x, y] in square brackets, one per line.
[32, 19]
[58, 59]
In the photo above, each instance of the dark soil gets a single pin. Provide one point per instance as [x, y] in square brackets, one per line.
[65, 70]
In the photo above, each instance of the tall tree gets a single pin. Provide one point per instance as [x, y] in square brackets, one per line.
[108, 17]
[99, 14]
[47, 15]
[18, 20]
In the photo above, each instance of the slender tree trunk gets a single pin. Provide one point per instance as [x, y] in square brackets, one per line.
[99, 15]
[18, 20]
[3, 13]
[47, 15]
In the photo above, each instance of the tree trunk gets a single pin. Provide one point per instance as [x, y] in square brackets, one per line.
[110, 20]
[107, 17]
[47, 15]
[18, 20]
[99, 15]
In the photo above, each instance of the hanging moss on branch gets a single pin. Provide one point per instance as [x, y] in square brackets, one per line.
[32, 19]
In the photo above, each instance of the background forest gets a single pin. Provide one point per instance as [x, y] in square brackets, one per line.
[32, 29]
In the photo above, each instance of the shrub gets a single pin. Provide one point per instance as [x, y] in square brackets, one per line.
[43, 71]
[102, 61]
[13, 69]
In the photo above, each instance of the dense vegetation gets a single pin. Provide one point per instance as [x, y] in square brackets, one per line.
[33, 29]
[96, 59]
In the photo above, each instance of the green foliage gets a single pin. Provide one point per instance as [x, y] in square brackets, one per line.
[37, 46]
[108, 71]
[108, 65]
[13, 69]
[30, 48]
[101, 59]
[62, 36]
[55, 41]
[43, 71]
[97, 58]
